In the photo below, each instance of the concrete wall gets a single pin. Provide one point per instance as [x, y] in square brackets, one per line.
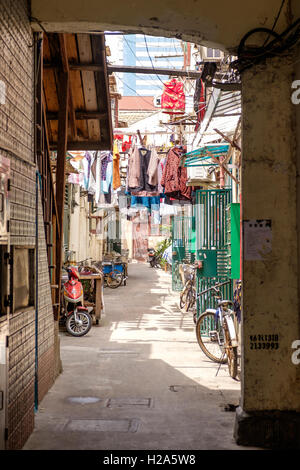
[195, 21]
[270, 298]
[126, 231]
[16, 143]
[83, 243]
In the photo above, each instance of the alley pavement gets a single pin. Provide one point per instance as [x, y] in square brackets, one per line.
[139, 380]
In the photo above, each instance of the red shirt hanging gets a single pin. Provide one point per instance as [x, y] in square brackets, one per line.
[173, 97]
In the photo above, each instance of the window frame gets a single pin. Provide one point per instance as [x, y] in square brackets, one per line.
[31, 279]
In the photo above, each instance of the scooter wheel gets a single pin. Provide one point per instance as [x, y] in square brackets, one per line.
[75, 329]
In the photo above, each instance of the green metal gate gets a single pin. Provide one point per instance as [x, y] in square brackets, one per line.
[211, 244]
[183, 246]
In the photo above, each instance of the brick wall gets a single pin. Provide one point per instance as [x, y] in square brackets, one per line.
[17, 143]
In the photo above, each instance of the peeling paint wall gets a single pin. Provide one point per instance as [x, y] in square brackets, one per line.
[270, 297]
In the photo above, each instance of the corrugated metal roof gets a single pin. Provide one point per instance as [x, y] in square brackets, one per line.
[223, 113]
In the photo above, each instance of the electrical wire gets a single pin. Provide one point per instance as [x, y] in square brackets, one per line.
[165, 85]
[276, 19]
[143, 97]
[153, 79]
[281, 43]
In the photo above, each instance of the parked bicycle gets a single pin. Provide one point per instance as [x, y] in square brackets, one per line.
[216, 332]
[188, 293]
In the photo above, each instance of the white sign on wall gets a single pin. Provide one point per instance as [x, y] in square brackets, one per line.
[257, 239]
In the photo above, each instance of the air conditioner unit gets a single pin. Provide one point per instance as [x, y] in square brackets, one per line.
[199, 174]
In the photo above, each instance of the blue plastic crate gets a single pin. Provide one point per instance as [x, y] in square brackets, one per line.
[119, 267]
[107, 268]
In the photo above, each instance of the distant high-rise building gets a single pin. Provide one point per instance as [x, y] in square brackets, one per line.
[149, 51]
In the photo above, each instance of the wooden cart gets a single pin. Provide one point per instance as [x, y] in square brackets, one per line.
[99, 301]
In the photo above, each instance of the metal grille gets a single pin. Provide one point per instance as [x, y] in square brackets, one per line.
[178, 251]
[211, 235]
[211, 244]
[206, 300]
[183, 246]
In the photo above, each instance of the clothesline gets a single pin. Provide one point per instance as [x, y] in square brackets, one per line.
[121, 131]
[149, 178]
[159, 152]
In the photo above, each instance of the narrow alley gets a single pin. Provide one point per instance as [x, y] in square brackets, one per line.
[149, 227]
[138, 380]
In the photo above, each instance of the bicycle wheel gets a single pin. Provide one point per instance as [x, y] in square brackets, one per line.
[232, 362]
[232, 356]
[114, 279]
[183, 298]
[191, 299]
[210, 337]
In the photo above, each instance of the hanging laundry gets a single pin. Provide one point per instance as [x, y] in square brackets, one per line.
[173, 97]
[87, 168]
[160, 170]
[167, 209]
[79, 163]
[106, 172]
[76, 156]
[174, 176]
[185, 191]
[170, 178]
[134, 169]
[139, 164]
[116, 167]
[145, 201]
[75, 178]
[98, 178]
[152, 171]
[93, 175]
[145, 156]
[126, 143]
[105, 157]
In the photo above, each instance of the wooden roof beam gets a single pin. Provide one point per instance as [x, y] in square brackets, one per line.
[231, 142]
[83, 145]
[73, 66]
[65, 64]
[61, 174]
[79, 115]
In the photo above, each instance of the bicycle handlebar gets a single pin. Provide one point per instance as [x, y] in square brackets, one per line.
[214, 287]
[86, 259]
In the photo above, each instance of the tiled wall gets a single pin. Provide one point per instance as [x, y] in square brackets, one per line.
[17, 143]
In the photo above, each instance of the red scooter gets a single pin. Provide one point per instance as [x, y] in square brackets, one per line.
[75, 316]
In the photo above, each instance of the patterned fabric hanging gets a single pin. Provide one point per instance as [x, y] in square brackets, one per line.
[173, 97]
